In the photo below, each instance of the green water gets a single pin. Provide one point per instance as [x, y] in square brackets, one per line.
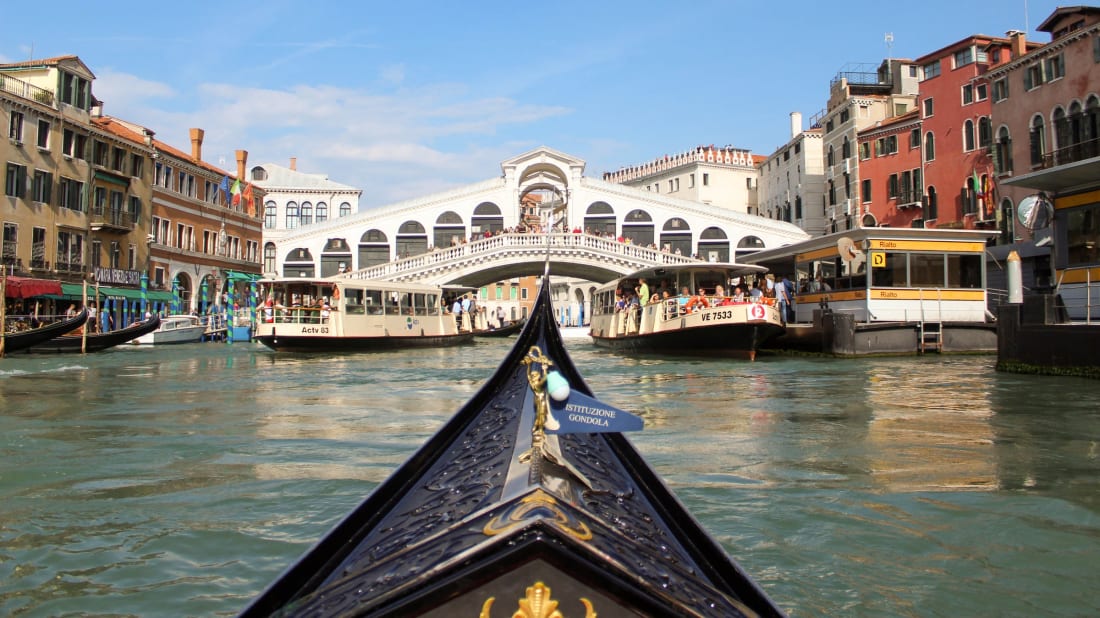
[179, 481]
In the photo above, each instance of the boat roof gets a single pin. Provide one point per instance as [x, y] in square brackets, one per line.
[773, 258]
[481, 512]
[655, 273]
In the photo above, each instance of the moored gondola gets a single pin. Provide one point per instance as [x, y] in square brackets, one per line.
[507, 330]
[14, 342]
[496, 511]
[96, 342]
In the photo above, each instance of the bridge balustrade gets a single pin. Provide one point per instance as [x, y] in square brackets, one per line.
[511, 243]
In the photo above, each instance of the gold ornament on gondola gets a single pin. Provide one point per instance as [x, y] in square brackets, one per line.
[538, 604]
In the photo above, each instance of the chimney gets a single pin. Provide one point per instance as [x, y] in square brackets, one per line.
[1017, 43]
[796, 123]
[242, 161]
[196, 144]
[293, 164]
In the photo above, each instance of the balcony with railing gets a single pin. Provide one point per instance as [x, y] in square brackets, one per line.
[21, 88]
[111, 219]
[1073, 153]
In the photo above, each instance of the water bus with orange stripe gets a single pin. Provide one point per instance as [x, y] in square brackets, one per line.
[883, 290]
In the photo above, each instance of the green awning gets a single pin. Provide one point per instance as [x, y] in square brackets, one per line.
[74, 291]
[237, 277]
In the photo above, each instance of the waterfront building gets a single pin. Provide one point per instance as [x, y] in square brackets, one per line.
[296, 200]
[859, 96]
[1046, 117]
[791, 185]
[957, 133]
[724, 176]
[76, 197]
[96, 199]
[891, 172]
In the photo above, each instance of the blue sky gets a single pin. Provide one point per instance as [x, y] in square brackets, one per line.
[408, 98]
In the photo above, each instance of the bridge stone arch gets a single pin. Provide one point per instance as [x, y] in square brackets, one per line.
[299, 263]
[487, 217]
[449, 230]
[600, 219]
[714, 245]
[748, 245]
[676, 236]
[412, 239]
[374, 248]
[638, 227]
[335, 257]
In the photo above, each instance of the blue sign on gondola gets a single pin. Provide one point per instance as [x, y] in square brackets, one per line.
[580, 413]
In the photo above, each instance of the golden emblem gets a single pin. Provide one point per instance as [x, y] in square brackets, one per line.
[538, 604]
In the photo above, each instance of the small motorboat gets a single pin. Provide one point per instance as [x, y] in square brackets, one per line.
[505, 513]
[174, 329]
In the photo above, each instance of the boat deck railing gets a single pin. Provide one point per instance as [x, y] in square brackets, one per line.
[1083, 306]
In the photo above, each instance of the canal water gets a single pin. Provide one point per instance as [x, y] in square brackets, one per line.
[179, 481]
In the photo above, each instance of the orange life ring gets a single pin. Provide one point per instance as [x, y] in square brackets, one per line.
[335, 293]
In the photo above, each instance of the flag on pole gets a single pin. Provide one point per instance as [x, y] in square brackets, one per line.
[224, 189]
[236, 191]
[246, 195]
[977, 186]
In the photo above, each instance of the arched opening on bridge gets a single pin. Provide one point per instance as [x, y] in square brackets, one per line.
[335, 257]
[714, 245]
[487, 218]
[676, 236]
[374, 248]
[299, 263]
[638, 227]
[600, 219]
[747, 246]
[449, 230]
[411, 239]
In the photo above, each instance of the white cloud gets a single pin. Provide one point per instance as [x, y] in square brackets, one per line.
[394, 144]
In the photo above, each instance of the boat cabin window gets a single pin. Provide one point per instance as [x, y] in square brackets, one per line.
[393, 303]
[929, 271]
[820, 276]
[372, 300]
[353, 301]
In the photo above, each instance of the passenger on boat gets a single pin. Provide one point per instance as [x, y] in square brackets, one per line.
[738, 295]
[699, 301]
[642, 290]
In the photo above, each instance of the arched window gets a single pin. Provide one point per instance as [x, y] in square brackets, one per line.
[305, 217]
[321, 212]
[345, 209]
[985, 132]
[846, 148]
[1061, 129]
[968, 135]
[929, 147]
[831, 158]
[1076, 125]
[271, 215]
[933, 204]
[1002, 152]
[269, 257]
[1038, 140]
[291, 215]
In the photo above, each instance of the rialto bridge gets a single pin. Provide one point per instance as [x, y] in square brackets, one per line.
[471, 235]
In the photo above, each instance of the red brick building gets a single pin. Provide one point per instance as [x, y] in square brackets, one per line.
[890, 170]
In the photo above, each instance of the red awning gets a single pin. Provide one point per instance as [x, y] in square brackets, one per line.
[25, 287]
